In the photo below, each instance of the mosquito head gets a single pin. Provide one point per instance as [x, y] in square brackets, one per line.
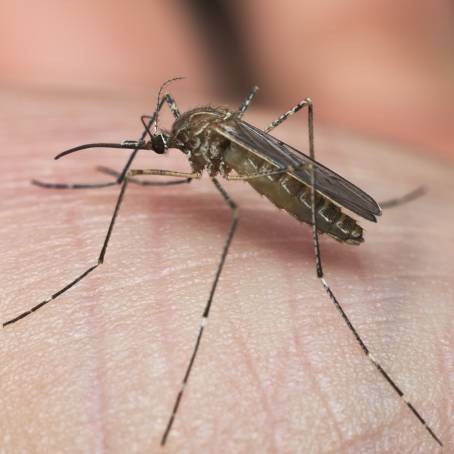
[159, 142]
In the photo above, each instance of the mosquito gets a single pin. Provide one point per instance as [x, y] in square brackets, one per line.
[219, 141]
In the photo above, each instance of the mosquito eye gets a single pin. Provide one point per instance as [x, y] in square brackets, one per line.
[158, 143]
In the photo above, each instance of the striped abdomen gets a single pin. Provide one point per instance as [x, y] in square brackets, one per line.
[293, 196]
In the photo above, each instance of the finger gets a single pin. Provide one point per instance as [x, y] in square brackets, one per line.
[104, 362]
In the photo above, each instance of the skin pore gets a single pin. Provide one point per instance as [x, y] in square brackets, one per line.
[98, 369]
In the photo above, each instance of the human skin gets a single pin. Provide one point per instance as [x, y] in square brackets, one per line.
[98, 369]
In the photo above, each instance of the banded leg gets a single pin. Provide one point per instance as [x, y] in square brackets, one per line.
[148, 120]
[206, 311]
[278, 171]
[43, 184]
[306, 102]
[105, 244]
[245, 104]
[85, 273]
[402, 200]
[167, 173]
[114, 173]
[168, 98]
[319, 270]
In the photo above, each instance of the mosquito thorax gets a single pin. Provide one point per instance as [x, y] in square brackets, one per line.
[194, 133]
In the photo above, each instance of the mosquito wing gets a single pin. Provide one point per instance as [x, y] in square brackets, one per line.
[328, 183]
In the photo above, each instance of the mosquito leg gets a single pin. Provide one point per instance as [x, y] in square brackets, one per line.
[85, 273]
[106, 240]
[306, 102]
[374, 361]
[415, 194]
[320, 275]
[206, 311]
[245, 104]
[114, 173]
[172, 105]
[148, 120]
[167, 173]
[43, 184]
[318, 262]
[278, 171]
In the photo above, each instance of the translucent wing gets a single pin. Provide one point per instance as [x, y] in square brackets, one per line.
[278, 153]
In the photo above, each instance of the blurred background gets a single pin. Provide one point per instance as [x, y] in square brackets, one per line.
[380, 68]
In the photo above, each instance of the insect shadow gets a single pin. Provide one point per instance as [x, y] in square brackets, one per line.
[219, 141]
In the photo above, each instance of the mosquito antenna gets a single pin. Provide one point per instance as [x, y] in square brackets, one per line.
[127, 144]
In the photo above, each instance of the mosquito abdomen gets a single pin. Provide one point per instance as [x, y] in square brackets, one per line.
[293, 196]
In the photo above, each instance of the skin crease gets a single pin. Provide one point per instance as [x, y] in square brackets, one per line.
[278, 371]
